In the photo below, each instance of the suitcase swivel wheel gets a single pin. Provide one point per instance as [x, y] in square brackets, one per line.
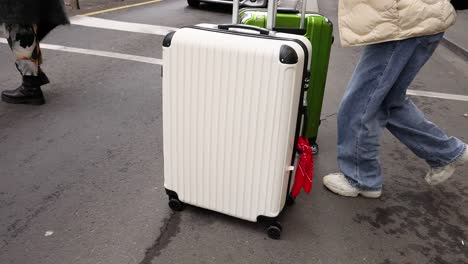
[315, 148]
[290, 200]
[314, 145]
[175, 204]
[274, 231]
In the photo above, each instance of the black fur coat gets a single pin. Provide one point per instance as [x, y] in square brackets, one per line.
[46, 13]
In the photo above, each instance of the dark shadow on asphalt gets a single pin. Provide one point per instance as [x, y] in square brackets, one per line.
[203, 217]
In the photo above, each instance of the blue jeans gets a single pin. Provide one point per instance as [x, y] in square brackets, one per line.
[376, 99]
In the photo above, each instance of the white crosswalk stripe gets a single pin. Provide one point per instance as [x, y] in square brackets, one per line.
[121, 26]
[456, 97]
[98, 53]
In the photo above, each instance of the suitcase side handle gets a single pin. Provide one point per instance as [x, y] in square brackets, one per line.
[247, 27]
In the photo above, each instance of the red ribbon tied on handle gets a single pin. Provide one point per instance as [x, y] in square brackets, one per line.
[305, 168]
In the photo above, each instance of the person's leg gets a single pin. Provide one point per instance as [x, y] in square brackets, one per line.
[23, 42]
[407, 123]
[363, 116]
[397, 113]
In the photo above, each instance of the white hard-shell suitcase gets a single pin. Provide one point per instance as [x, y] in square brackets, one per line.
[232, 111]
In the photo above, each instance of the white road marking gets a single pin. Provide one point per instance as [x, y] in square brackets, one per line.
[99, 53]
[456, 97]
[121, 26]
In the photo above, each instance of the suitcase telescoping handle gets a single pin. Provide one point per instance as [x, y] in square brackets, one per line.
[272, 6]
[303, 12]
[235, 12]
[272, 10]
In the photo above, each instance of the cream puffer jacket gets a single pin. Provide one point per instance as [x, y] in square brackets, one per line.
[363, 22]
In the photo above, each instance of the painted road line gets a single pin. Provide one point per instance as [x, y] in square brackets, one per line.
[120, 8]
[456, 97]
[99, 53]
[122, 26]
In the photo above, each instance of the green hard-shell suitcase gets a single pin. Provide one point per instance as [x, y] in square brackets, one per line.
[319, 30]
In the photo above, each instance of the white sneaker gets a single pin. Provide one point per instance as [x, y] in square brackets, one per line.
[337, 183]
[439, 175]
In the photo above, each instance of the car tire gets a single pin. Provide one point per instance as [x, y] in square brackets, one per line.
[193, 3]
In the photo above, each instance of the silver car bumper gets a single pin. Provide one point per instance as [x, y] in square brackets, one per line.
[243, 3]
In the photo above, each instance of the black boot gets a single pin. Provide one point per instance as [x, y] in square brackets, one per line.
[29, 92]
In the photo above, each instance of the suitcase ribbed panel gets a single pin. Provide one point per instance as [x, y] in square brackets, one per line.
[229, 116]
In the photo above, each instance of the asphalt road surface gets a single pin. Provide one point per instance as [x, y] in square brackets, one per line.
[81, 178]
